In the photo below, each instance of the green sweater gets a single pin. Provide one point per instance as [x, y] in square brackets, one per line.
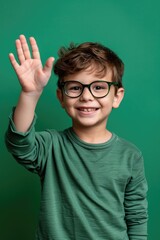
[89, 191]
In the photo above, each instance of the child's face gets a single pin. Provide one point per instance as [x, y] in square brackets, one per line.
[86, 110]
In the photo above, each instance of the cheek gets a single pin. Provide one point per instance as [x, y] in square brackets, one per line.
[68, 104]
[107, 103]
[68, 107]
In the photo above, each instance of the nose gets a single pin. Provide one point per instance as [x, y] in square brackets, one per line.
[86, 95]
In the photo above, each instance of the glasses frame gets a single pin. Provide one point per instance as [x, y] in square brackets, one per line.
[61, 85]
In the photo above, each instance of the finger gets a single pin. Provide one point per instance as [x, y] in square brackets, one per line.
[20, 53]
[48, 66]
[13, 61]
[35, 50]
[25, 47]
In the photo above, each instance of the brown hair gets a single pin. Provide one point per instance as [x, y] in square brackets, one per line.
[88, 55]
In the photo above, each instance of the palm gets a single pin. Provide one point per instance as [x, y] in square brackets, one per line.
[31, 74]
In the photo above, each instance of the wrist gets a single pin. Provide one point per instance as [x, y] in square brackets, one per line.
[32, 95]
[28, 100]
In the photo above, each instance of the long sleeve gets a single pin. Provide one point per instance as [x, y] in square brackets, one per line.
[136, 204]
[29, 149]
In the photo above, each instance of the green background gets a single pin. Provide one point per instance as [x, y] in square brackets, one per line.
[132, 30]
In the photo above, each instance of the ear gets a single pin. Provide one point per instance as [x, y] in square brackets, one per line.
[118, 97]
[60, 97]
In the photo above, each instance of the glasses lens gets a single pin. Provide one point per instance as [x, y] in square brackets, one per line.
[99, 89]
[73, 89]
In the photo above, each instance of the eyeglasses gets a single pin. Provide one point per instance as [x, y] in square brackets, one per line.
[98, 89]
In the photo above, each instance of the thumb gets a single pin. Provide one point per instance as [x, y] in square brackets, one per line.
[48, 65]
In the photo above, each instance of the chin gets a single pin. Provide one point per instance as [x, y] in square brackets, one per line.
[86, 124]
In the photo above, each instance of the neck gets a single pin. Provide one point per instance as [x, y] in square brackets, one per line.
[94, 135]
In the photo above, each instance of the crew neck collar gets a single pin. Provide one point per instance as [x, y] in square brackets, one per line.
[73, 136]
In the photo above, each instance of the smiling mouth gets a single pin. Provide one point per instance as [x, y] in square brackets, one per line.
[87, 109]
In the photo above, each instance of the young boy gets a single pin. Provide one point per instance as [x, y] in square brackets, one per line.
[93, 182]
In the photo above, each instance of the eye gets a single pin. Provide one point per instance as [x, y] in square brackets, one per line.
[73, 87]
[99, 86]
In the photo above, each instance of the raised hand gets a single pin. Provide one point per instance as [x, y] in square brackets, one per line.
[32, 76]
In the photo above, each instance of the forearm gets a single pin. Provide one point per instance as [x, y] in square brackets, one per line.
[25, 110]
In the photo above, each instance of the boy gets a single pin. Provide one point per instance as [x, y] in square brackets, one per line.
[93, 182]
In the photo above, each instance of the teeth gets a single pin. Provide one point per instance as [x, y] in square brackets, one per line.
[87, 109]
